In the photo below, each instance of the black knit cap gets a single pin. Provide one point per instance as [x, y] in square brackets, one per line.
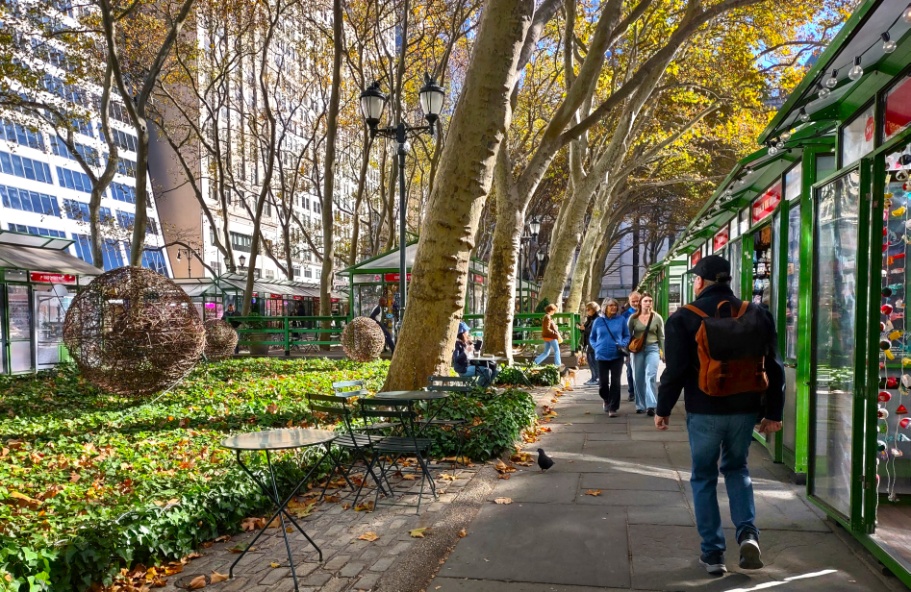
[714, 268]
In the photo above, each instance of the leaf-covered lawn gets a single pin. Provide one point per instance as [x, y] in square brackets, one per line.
[74, 461]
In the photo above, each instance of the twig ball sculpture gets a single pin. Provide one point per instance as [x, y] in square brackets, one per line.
[221, 339]
[363, 339]
[133, 332]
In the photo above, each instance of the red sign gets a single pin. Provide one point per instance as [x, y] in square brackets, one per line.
[766, 203]
[478, 278]
[869, 128]
[296, 297]
[52, 278]
[394, 277]
[277, 296]
[695, 258]
[721, 238]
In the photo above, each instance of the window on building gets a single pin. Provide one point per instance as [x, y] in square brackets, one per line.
[123, 193]
[241, 242]
[124, 140]
[29, 201]
[89, 154]
[19, 134]
[154, 260]
[308, 272]
[110, 251]
[13, 164]
[126, 167]
[270, 274]
[74, 180]
[77, 210]
[296, 271]
[37, 231]
[216, 266]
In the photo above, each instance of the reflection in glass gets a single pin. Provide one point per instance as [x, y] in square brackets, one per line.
[834, 319]
[736, 255]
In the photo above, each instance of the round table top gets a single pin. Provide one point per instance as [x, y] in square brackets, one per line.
[485, 358]
[412, 395]
[278, 439]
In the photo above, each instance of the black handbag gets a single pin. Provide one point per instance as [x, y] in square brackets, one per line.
[621, 348]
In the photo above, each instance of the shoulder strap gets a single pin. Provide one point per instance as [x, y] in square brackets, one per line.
[607, 326]
[743, 308]
[695, 309]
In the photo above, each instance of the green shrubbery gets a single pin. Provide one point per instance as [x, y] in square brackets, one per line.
[91, 482]
[529, 376]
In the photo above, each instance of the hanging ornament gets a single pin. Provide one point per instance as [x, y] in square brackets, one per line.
[901, 410]
[906, 380]
[886, 309]
[882, 413]
[902, 176]
[889, 46]
[882, 427]
[899, 211]
[895, 452]
[889, 355]
[880, 445]
[803, 116]
[905, 423]
[887, 291]
[895, 335]
[885, 345]
[823, 91]
[903, 438]
[892, 382]
[884, 396]
[882, 327]
[832, 81]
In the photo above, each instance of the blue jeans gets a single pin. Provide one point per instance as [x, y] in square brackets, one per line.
[484, 374]
[727, 437]
[548, 346]
[645, 374]
[630, 379]
[592, 362]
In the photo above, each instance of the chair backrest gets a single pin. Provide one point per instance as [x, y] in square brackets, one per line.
[332, 406]
[451, 384]
[349, 388]
[388, 410]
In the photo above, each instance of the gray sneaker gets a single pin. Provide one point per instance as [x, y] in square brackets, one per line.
[605, 406]
[713, 563]
[750, 554]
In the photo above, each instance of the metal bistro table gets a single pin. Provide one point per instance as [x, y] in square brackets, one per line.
[413, 397]
[268, 441]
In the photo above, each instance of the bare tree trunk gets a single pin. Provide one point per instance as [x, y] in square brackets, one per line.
[359, 199]
[440, 274]
[325, 284]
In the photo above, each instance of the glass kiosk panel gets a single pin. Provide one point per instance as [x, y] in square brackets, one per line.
[832, 395]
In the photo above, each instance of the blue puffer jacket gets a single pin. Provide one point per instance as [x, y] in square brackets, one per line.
[605, 344]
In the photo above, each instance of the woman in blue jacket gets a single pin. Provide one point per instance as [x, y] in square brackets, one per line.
[608, 333]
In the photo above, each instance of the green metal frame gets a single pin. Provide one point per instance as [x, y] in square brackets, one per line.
[565, 321]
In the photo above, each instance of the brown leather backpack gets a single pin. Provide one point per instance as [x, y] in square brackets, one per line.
[732, 350]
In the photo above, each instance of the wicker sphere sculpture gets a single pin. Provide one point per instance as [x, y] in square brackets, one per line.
[363, 339]
[221, 339]
[133, 332]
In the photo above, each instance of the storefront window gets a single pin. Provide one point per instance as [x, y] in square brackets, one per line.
[898, 108]
[857, 137]
[762, 267]
[736, 254]
[834, 318]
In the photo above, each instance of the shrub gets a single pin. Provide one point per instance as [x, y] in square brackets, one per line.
[363, 339]
[529, 376]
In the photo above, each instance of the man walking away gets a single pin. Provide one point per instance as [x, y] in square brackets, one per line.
[632, 309]
[724, 401]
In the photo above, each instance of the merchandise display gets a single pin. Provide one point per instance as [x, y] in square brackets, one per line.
[894, 470]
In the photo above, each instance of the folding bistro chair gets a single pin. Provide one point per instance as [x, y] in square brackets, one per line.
[395, 447]
[452, 384]
[349, 388]
[359, 446]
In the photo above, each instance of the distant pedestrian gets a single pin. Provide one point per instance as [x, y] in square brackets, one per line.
[746, 388]
[609, 338]
[377, 314]
[592, 310]
[630, 310]
[551, 335]
[646, 327]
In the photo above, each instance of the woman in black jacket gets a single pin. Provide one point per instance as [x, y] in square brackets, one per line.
[592, 310]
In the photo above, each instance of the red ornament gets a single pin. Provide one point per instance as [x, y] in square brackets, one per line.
[884, 396]
[892, 382]
[886, 309]
[905, 422]
[902, 410]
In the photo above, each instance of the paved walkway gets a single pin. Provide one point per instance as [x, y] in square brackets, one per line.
[614, 513]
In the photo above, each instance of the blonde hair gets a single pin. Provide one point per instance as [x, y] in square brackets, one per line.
[593, 306]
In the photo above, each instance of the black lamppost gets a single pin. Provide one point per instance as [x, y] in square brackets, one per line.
[187, 251]
[373, 101]
[534, 226]
[243, 262]
[540, 256]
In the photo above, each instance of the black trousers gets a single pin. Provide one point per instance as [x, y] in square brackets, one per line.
[609, 372]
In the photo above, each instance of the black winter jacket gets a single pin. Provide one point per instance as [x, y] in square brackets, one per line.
[587, 331]
[682, 371]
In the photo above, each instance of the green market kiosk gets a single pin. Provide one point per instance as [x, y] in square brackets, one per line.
[817, 226]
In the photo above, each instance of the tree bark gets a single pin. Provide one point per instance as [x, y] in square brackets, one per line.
[440, 273]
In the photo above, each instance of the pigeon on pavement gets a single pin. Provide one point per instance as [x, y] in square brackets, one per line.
[544, 461]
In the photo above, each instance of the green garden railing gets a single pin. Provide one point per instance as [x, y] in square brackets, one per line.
[526, 327]
[289, 332]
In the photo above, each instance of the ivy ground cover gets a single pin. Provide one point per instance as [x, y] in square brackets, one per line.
[90, 482]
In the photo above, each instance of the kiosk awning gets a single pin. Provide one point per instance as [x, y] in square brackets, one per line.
[43, 259]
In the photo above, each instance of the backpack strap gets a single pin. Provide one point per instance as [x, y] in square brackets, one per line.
[743, 308]
[695, 309]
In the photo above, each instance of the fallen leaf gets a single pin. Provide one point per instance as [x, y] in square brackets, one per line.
[249, 524]
[503, 500]
[368, 536]
[223, 538]
[197, 583]
[503, 476]
[364, 506]
[409, 477]
[217, 577]
[417, 533]
[594, 492]
[275, 564]
[23, 497]
[463, 533]
[447, 477]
